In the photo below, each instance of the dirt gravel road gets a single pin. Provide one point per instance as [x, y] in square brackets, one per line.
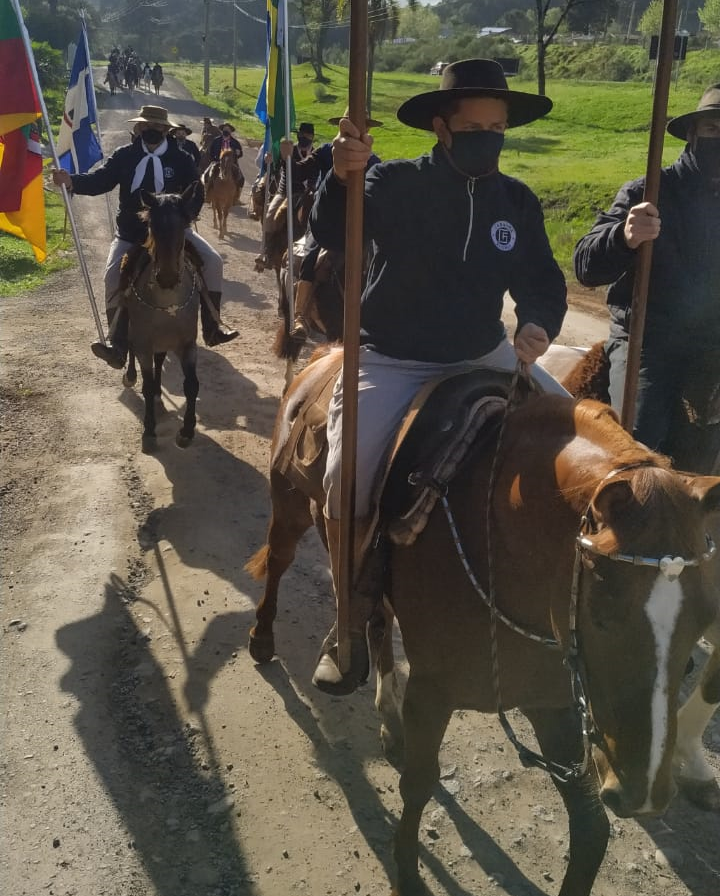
[144, 753]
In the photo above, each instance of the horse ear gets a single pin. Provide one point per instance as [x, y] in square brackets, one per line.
[707, 491]
[148, 199]
[611, 500]
[193, 198]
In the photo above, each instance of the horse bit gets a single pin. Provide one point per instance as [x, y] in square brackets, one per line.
[669, 566]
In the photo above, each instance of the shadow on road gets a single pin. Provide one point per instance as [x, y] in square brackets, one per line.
[162, 776]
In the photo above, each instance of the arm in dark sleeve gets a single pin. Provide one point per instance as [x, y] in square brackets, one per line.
[327, 218]
[102, 180]
[602, 256]
[307, 169]
[538, 285]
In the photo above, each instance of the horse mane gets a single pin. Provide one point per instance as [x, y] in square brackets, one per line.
[654, 487]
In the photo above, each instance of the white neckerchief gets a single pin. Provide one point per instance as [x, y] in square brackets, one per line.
[157, 167]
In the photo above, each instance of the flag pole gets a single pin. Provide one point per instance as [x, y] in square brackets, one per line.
[97, 120]
[351, 330]
[289, 284]
[51, 141]
[663, 76]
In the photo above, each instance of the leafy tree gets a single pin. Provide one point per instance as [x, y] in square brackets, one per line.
[317, 16]
[651, 19]
[383, 21]
[710, 17]
[548, 23]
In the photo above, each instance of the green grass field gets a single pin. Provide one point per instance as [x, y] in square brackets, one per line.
[595, 138]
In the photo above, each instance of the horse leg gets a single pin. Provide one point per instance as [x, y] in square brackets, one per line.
[130, 376]
[290, 519]
[388, 699]
[559, 736]
[426, 714]
[149, 439]
[191, 387]
[695, 776]
[158, 361]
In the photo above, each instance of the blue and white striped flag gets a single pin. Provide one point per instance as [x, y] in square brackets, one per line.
[78, 146]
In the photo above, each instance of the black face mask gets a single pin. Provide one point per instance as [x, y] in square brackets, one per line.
[707, 156]
[226, 133]
[304, 142]
[151, 136]
[476, 152]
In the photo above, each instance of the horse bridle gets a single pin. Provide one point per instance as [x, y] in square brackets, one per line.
[670, 566]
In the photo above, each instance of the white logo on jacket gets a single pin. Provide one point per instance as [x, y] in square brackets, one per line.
[169, 172]
[503, 235]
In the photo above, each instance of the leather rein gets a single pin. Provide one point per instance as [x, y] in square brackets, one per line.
[671, 567]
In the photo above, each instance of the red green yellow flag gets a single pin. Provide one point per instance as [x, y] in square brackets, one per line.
[22, 202]
[19, 104]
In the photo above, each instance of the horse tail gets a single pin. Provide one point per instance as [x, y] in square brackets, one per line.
[285, 347]
[257, 565]
[590, 378]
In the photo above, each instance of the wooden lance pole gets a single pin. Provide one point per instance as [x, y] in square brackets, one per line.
[663, 76]
[351, 330]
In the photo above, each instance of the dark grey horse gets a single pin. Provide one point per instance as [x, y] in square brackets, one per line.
[162, 296]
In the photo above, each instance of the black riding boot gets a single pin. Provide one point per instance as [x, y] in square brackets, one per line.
[115, 353]
[213, 330]
[364, 598]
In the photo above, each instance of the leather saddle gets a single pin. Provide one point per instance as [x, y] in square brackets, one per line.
[447, 418]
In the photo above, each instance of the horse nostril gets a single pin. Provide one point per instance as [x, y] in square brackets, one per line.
[614, 799]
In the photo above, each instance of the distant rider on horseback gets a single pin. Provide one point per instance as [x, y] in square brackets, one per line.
[222, 142]
[152, 162]
[311, 170]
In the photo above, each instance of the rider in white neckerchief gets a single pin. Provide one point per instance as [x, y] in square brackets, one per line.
[153, 154]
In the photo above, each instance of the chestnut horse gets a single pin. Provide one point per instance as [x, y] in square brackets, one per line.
[223, 182]
[162, 298]
[695, 445]
[586, 552]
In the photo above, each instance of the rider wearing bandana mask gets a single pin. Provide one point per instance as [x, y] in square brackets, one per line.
[450, 235]
[682, 325]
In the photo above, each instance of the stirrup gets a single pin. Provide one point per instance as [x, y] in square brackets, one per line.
[219, 336]
[327, 676]
[111, 355]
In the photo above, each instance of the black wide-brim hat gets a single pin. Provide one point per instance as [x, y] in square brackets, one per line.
[708, 107]
[470, 78]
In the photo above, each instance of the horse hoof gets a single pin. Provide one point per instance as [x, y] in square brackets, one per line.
[262, 650]
[129, 381]
[149, 444]
[183, 441]
[703, 794]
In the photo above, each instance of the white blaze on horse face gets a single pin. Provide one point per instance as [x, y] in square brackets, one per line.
[662, 610]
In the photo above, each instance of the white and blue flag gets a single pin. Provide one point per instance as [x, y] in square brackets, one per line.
[78, 146]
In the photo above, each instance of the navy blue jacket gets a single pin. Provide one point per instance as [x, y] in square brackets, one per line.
[179, 171]
[684, 289]
[445, 250]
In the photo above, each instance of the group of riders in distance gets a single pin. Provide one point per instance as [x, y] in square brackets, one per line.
[126, 70]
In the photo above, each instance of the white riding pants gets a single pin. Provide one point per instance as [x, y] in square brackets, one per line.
[386, 388]
[212, 265]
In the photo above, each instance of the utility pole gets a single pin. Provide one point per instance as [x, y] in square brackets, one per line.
[206, 40]
[631, 22]
[234, 47]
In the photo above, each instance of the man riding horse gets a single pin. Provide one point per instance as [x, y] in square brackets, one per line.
[311, 170]
[154, 163]
[450, 235]
[225, 141]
